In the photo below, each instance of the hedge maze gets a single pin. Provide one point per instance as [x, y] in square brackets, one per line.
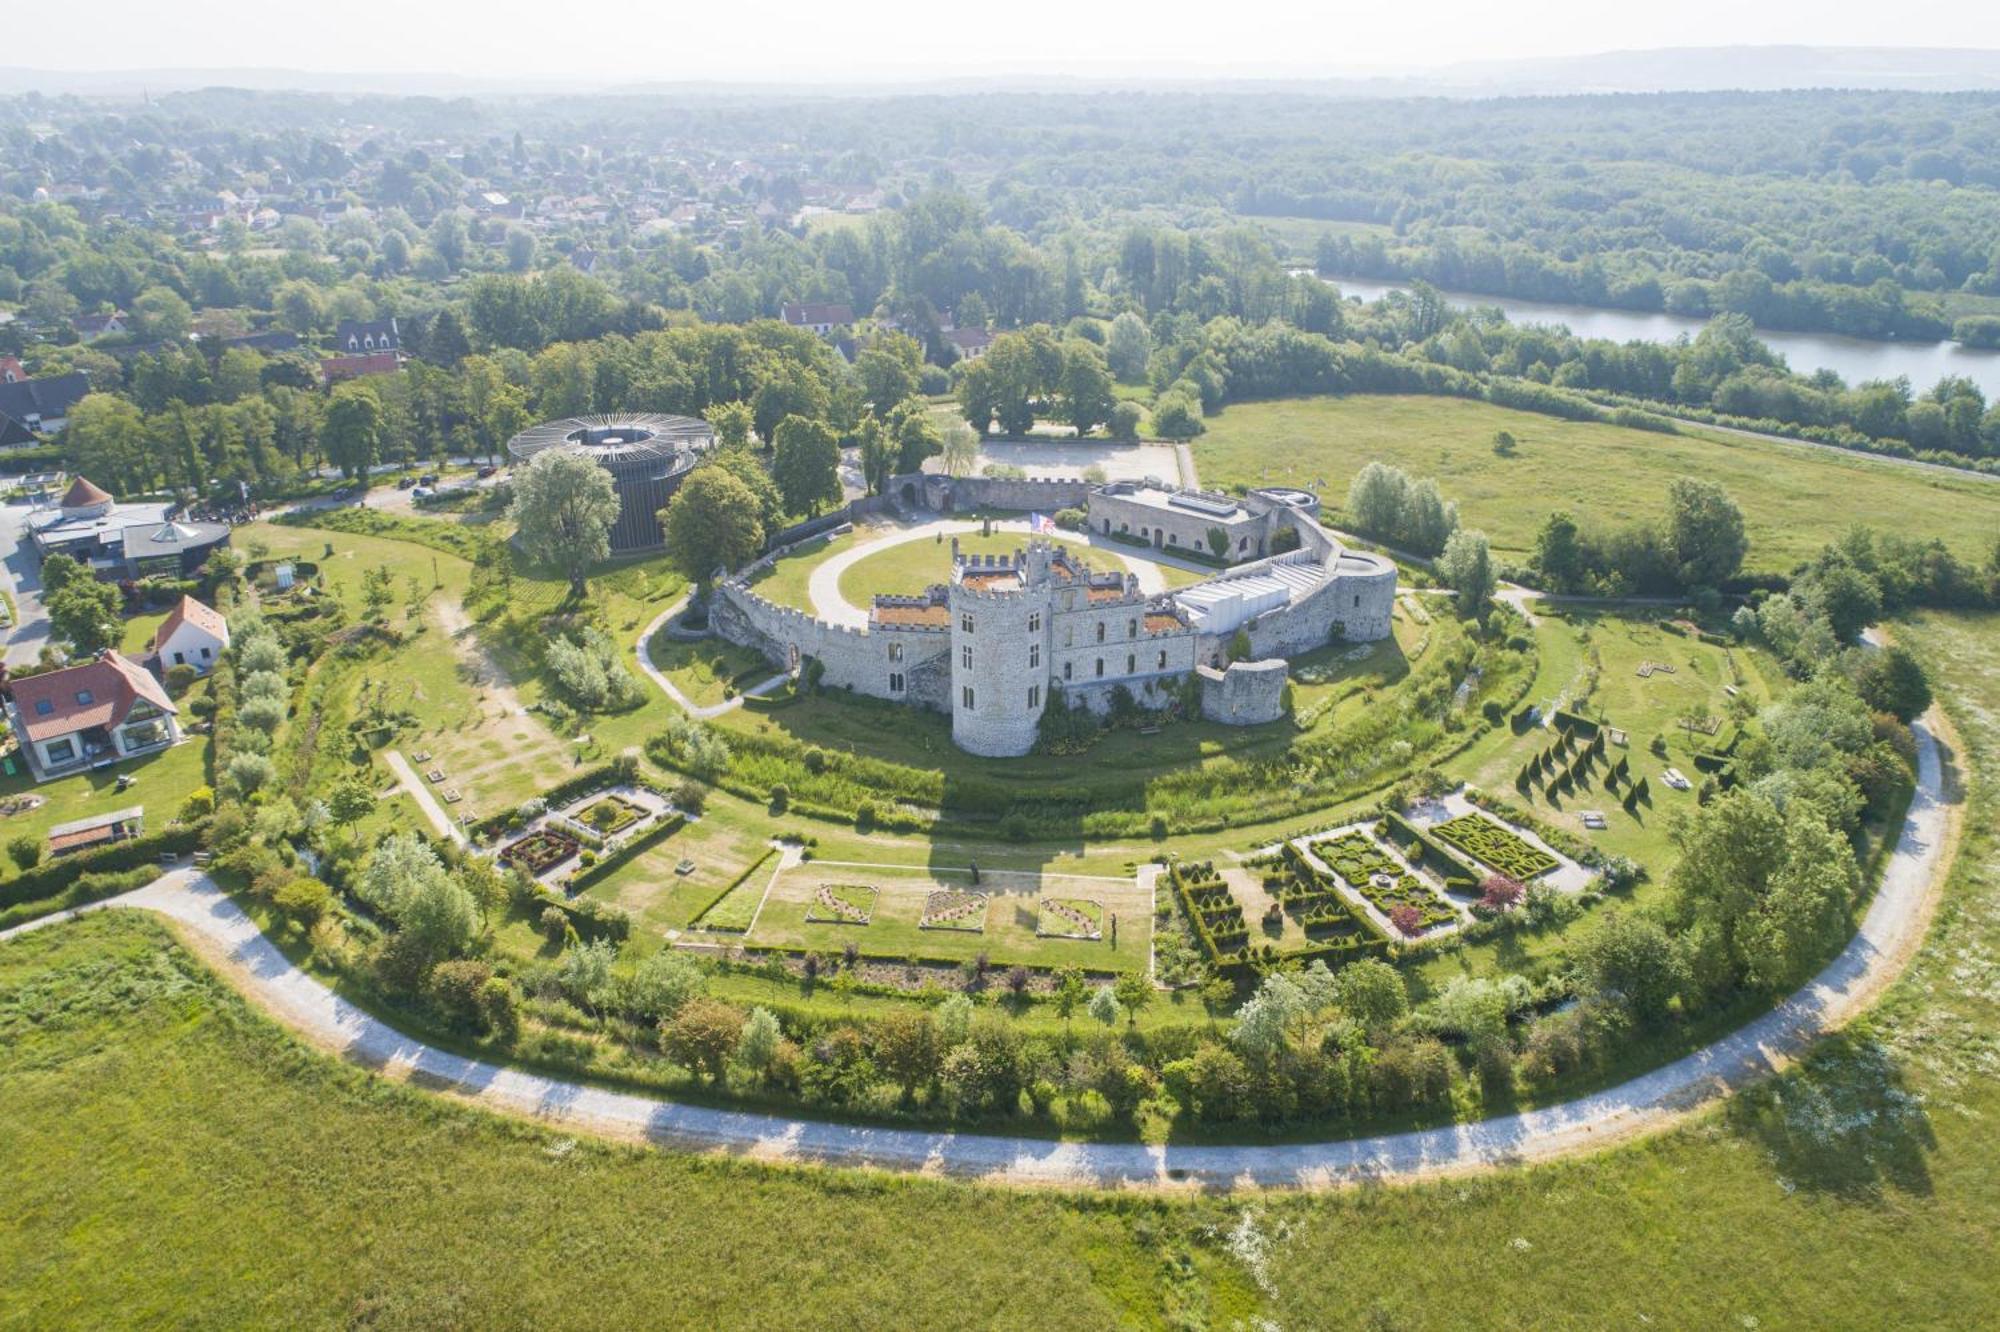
[1334, 930]
[1491, 844]
[1358, 860]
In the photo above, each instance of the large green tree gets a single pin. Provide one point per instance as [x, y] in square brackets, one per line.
[1704, 532]
[713, 521]
[564, 506]
[351, 433]
[806, 465]
[84, 614]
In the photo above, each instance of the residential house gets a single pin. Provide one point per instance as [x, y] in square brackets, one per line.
[969, 343]
[11, 370]
[823, 319]
[41, 406]
[365, 337]
[83, 716]
[193, 634]
[91, 327]
[337, 369]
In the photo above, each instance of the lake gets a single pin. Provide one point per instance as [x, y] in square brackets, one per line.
[1853, 359]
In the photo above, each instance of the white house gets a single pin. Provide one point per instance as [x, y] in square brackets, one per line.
[194, 635]
[83, 716]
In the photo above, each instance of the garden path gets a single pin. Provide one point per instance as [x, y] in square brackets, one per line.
[1889, 933]
[421, 793]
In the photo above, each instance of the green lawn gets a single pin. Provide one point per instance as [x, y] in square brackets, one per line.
[170, 1158]
[1794, 498]
[1007, 927]
[704, 670]
[784, 580]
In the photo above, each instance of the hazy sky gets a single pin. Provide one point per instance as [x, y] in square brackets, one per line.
[832, 40]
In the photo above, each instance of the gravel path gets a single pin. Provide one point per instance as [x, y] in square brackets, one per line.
[421, 793]
[645, 650]
[1892, 928]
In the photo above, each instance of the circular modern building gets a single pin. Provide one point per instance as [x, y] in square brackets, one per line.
[646, 453]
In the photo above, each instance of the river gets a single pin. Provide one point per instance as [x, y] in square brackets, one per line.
[1853, 359]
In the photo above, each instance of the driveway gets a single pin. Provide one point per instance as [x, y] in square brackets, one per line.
[20, 571]
[1893, 927]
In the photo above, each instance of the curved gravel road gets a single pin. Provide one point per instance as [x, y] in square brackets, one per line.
[1893, 926]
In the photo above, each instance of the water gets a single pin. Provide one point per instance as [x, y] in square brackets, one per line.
[1853, 359]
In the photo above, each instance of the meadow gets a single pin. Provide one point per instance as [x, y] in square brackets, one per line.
[1794, 498]
[174, 1149]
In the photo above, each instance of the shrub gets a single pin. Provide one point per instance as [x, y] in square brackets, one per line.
[179, 679]
[200, 803]
[303, 901]
[25, 850]
[555, 924]
[781, 797]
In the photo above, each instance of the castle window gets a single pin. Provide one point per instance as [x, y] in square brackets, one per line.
[1034, 622]
[1173, 539]
[895, 652]
[1131, 663]
[1100, 631]
[1069, 635]
[1357, 598]
[1034, 655]
[895, 682]
[1131, 628]
[965, 656]
[1034, 696]
[1100, 668]
[1163, 659]
[965, 697]
[1066, 670]
[965, 623]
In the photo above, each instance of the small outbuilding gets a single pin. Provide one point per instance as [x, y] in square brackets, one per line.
[193, 634]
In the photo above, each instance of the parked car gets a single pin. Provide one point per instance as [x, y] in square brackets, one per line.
[428, 479]
[422, 493]
[488, 470]
[404, 482]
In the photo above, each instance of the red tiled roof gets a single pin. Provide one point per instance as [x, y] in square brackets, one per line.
[82, 494]
[935, 616]
[113, 683]
[205, 618]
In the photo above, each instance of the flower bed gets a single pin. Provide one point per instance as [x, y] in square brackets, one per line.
[613, 814]
[539, 852]
[842, 904]
[1387, 886]
[1070, 918]
[954, 909]
[1494, 845]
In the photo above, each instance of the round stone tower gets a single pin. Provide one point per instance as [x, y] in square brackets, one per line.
[999, 650]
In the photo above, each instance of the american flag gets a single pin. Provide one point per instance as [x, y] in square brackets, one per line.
[1041, 524]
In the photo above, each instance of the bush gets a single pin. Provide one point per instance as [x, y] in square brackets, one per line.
[25, 851]
[555, 924]
[303, 901]
[180, 679]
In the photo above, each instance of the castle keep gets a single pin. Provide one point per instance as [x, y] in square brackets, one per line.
[1009, 634]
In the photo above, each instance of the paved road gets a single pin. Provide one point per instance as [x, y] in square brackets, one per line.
[20, 571]
[1889, 933]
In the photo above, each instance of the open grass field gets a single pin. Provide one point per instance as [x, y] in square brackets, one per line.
[784, 580]
[170, 1147]
[706, 670]
[1005, 930]
[1794, 498]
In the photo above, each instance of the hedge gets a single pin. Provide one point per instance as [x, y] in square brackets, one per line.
[55, 876]
[664, 827]
[1429, 852]
[733, 884]
[591, 918]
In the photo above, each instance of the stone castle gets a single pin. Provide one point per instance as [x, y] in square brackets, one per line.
[1009, 634]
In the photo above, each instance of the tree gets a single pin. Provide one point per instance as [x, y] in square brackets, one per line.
[1104, 1006]
[888, 371]
[352, 431]
[1376, 500]
[960, 451]
[1558, 556]
[1629, 957]
[701, 1036]
[563, 509]
[1467, 568]
[438, 917]
[1218, 541]
[1134, 992]
[713, 521]
[1083, 393]
[163, 315]
[1892, 680]
[732, 422]
[1129, 348]
[85, 615]
[907, 1048]
[1372, 993]
[1705, 537]
[806, 465]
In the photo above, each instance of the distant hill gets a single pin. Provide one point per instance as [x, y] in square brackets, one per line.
[1675, 69]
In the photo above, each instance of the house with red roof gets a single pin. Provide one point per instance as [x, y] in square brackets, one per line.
[91, 714]
[193, 634]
